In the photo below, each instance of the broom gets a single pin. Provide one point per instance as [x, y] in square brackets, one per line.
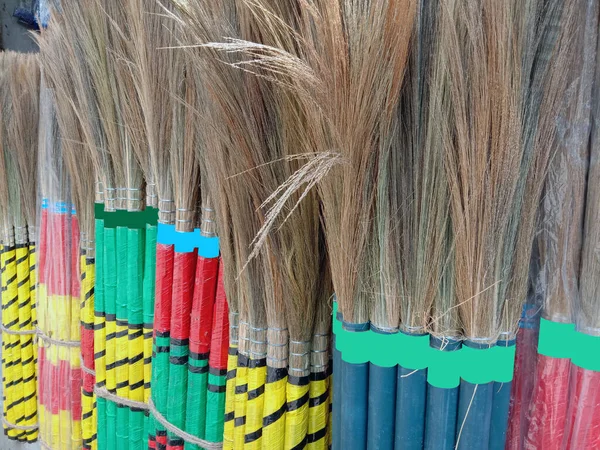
[10, 343]
[415, 217]
[185, 173]
[200, 418]
[430, 275]
[140, 22]
[350, 191]
[62, 374]
[79, 163]
[157, 104]
[294, 249]
[539, 47]
[319, 421]
[77, 49]
[541, 30]
[134, 144]
[584, 370]
[483, 173]
[24, 87]
[562, 215]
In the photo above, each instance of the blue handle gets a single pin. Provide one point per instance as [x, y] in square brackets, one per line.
[382, 407]
[442, 403]
[440, 426]
[501, 404]
[411, 395]
[337, 398]
[355, 387]
[474, 416]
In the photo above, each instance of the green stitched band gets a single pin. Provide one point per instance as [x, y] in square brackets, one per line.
[556, 339]
[586, 351]
[443, 372]
[480, 366]
[445, 369]
[127, 219]
[368, 346]
[561, 340]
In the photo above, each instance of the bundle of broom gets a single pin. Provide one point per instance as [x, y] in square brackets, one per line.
[53, 51]
[20, 97]
[583, 419]
[542, 27]
[254, 124]
[58, 293]
[566, 132]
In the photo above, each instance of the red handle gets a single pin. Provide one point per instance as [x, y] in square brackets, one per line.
[584, 409]
[522, 387]
[183, 290]
[548, 410]
[165, 255]
[202, 309]
[219, 344]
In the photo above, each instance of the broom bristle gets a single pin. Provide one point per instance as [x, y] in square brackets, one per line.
[6, 59]
[550, 49]
[133, 139]
[57, 72]
[185, 170]
[567, 92]
[588, 318]
[24, 86]
[154, 59]
[483, 52]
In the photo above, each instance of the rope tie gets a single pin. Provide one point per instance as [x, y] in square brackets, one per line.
[207, 445]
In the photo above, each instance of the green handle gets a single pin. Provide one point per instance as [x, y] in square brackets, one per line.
[195, 420]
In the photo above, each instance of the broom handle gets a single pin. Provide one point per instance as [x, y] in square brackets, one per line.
[75, 378]
[148, 299]
[100, 334]
[184, 270]
[525, 365]
[230, 396]
[41, 316]
[11, 343]
[257, 377]
[121, 342]
[110, 292]
[549, 403]
[475, 403]
[89, 425]
[354, 405]
[26, 341]
[86, 328]
[442, 396]
[411, 401]
[135, 304]
[200, 334]
[354, 397]
[165, 255]
[548, 410]
[383, 390]
[337, 398]
[318, 415]
[33, 285]
[217, 378]
[241, 397]
[584, 415]
[500, 409]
